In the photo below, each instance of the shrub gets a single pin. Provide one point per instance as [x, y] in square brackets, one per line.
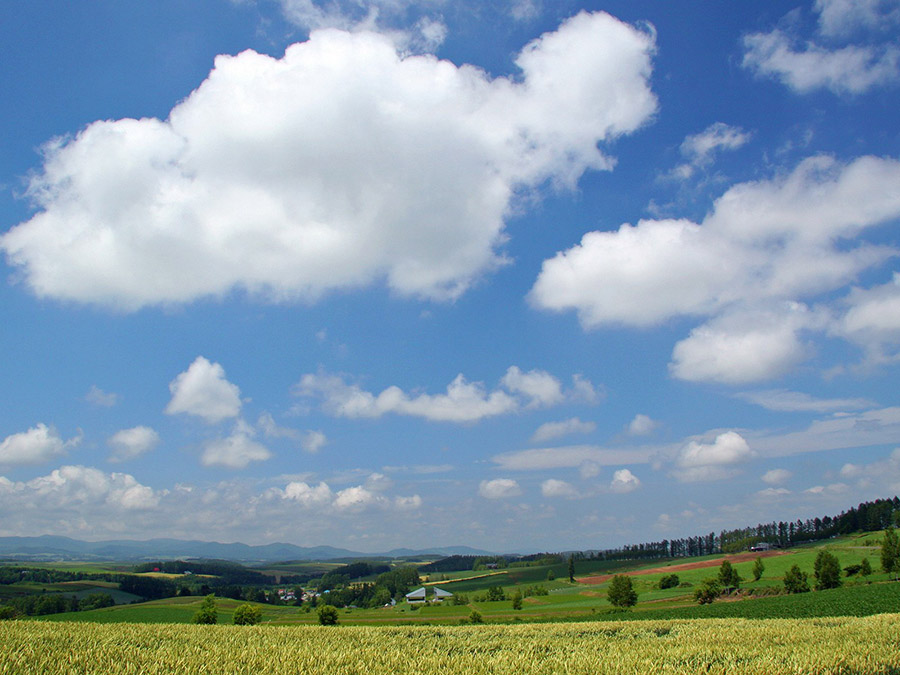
[707, 591]
[517, 600]
[207, 614]
[669, 581]
[495, 594]
[796, 581]
[247, 615]
[328, 615]
[475, 617]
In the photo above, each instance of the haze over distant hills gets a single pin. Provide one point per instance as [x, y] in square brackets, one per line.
[49, 547]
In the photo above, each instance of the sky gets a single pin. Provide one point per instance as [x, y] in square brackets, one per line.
[521, 275]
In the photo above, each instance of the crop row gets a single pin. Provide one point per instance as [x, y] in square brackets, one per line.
[837, 645]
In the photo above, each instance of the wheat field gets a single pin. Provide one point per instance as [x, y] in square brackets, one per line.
[835, 645]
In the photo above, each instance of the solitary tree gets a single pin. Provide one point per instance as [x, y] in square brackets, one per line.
[247, 615]
[728, 576]
[621, 592]
[572, 568]
[865, 567]
[890, 552]
[796, 581]
[328, 615]
[827, 571]
[207, 613]
[758, 568]
[517, 600]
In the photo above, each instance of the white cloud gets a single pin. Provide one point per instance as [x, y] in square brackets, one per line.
[539, 386]
[765, 247]
[848, 70]
[642, 425]
[463, 401]
[782, 400]
[551, 430]
[235, 451]
[37, 445]
[744, 346]
[352, 500]
[378, 482]
[862, 63]
[776, 476]
[308, 495]
[292, 177]
[558, 488]
[712, 461]
[699, 149]
[834, 488]
[78, 487]
[773, 493]
[203, 390]
[873, 321]
[98, 397]
[838, 17]
[271, 429]
[411, 503]
[624, 481]
[357, 498]
[842, 430]
[499, 488]
[131, 443]
[313, 441]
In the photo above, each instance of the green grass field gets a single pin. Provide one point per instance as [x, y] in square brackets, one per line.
[565, 601]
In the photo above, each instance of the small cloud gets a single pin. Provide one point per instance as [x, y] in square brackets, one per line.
[131, 443]
[772, 492]
[203, 390]
[712, 461]
[558, 488]
[782, 400]
[776, 476]
[700, 149]
[96, 396]
[313, 441]
[378, 482]
[624, 481]
[499, 488]
[35, 446]
[408, 503]
[551, 430]
[235, 451]
[642, 425]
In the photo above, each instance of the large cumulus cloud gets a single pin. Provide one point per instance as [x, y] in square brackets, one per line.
[343, 163]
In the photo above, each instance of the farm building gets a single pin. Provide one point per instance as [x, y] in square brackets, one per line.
[417, 595]
[440, 594]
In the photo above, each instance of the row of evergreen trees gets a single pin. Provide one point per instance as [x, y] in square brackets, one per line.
[866, 517]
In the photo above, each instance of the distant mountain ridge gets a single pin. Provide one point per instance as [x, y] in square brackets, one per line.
[55, 547]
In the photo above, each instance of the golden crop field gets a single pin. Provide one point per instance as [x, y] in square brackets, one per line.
[835, 645]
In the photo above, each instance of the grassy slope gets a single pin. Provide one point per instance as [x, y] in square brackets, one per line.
[580, 601]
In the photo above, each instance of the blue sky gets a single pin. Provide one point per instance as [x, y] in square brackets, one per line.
[521, 275]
